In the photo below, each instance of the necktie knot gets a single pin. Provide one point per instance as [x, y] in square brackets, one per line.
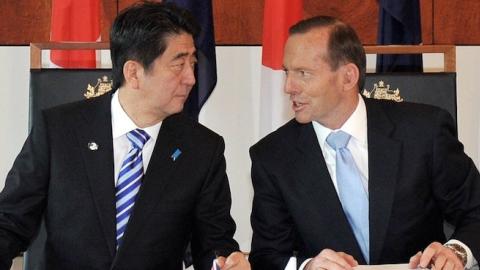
[338, 139]
[138, 138]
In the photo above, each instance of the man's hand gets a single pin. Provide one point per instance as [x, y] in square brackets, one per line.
[330, 260]
[437, 256]
[235, 261]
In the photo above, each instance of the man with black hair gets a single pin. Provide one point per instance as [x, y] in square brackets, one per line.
[125, 180]
[358, 181]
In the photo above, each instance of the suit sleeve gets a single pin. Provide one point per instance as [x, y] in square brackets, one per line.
[213, 227]
[273, 241]
[22, 200]
[456, 184]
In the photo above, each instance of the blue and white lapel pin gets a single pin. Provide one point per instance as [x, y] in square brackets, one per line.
[176, 154]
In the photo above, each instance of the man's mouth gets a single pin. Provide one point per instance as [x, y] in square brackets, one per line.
[297, 106]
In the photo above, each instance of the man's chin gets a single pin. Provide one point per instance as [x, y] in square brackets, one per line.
[302, 119]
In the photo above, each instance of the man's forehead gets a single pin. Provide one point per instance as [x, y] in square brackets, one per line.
[317, 36]
[179, 45]
[311, 44]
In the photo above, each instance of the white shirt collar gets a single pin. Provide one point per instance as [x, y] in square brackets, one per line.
[122, 124]
[356, 125]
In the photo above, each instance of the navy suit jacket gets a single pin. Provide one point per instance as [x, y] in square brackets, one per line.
[419, 176]
[57, 175]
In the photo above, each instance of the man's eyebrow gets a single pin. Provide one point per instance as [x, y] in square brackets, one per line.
[183, 55]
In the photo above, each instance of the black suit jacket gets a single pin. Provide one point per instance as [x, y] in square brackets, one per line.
[58, 175]
[418, 177]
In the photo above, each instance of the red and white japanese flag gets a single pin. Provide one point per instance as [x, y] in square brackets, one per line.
[275, 107]
[75, 21]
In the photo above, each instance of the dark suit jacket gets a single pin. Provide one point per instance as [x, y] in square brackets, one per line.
[56, 174]
[418, 176]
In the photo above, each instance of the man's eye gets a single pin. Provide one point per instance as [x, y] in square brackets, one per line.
[178, 66]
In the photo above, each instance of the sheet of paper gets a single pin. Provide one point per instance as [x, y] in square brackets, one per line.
[385, 267]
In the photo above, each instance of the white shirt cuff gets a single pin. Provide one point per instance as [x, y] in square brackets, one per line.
[471, 261]
[304, 264]
[292, 264]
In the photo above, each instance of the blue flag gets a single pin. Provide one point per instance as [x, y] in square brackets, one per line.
[399, 23]
[206, 68]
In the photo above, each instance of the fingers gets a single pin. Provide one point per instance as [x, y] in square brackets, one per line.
[221, 261]
[331, 260]
[428, 254]
[415, 260]
[236, 261]
[349, 258]
[438, 256]
[440, 261]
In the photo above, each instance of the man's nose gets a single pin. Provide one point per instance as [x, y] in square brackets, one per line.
[289, 87]
[189, 75]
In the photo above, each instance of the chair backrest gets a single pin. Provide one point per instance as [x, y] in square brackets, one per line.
[433, 88]
[51, 87]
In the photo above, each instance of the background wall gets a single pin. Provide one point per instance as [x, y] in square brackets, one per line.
[232, 111]
[239, 22]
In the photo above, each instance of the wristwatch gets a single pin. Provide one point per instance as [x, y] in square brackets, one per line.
[459, 251]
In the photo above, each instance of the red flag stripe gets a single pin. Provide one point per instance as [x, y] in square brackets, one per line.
[77, 21]
[279, 15]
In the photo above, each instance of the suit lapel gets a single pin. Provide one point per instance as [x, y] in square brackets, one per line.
[94, 132]
[383, 159]
[316, 181]
[160, 171]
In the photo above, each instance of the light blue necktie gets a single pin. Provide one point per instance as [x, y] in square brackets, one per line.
[129, 180]
[352, 195]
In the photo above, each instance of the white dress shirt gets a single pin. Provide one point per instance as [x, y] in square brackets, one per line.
[121, 125]
[356, 126]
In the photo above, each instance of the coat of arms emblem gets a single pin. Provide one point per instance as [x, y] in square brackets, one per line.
[103, 86]
[382, 91]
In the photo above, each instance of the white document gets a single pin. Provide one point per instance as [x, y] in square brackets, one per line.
[385, 267]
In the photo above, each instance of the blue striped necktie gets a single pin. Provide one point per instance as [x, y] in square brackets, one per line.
[129, 180]
[352, 195]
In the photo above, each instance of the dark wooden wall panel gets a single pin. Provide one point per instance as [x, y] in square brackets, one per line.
[125, 3]
[240, 22]
[362, 15]
[109, 12]
[22, 22]
[26, 21]
[426, 14]
[456, 22]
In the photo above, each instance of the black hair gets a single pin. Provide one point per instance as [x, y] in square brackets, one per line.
[140, 31]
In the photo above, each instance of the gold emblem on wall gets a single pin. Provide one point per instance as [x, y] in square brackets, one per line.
[103, 86]
[382, 91]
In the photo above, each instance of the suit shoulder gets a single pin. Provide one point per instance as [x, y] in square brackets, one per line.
[84, 104]
[408, 110]
[277, 138]
[196, 130]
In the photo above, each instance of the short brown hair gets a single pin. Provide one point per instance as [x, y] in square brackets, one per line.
[344, 46]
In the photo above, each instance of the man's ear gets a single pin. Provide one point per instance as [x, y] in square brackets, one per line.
[351, 75]
[132, 71]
